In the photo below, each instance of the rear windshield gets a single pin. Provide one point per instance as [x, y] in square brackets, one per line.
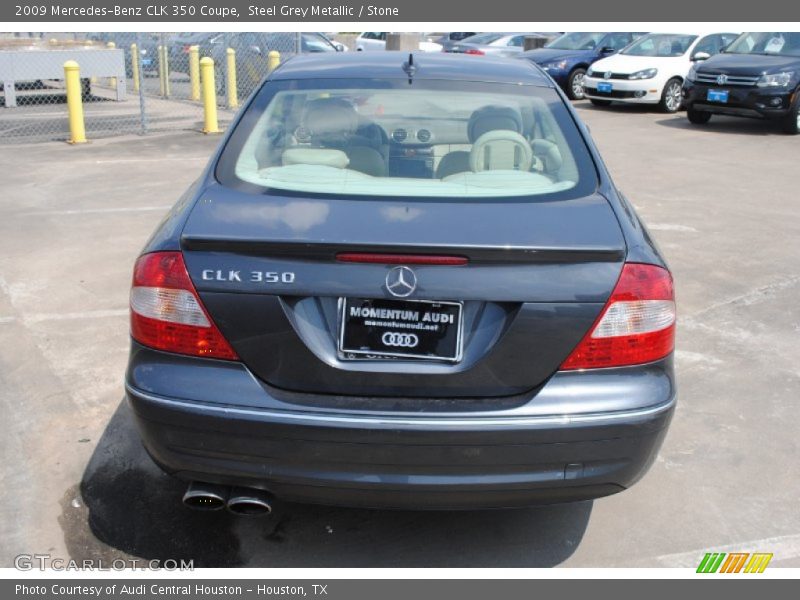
[482, 38]
[768, 43]
[576, 41]
[391, 138]
[661, 45]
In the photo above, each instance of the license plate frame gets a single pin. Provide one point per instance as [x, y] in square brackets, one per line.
[368, 344]
[719, 96]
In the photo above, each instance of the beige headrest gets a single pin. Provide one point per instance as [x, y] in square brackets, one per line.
[315, 156]
[501, 150]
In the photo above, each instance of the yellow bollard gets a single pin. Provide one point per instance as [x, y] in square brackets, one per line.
[163, 70]
[161, 87]
[273, 60]
[112, 81]
[166, 71]
[233, 93]
[194, 71]
[209, 95]
[135, 66]
[72, 79]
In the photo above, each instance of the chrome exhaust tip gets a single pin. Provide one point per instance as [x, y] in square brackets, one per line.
[249, 502]
[206, 496]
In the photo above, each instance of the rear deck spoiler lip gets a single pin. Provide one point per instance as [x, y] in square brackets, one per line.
[327, 251]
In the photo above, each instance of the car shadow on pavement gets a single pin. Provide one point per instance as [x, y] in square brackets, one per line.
[617, 107]
[723, 124]
[126, 507]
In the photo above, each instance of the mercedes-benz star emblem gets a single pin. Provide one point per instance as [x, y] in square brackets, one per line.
[722, 79]
[401, 282]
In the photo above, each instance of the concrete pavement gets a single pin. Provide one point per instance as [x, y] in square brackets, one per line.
[722, 203]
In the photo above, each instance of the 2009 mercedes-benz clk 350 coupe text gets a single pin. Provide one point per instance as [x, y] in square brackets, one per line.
[402, 281]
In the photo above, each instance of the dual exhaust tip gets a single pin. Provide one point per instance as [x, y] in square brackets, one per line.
[238, 500]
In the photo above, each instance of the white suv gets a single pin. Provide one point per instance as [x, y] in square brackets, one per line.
[376, 40]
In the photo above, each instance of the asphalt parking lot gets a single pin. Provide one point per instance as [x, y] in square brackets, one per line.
[722, 203]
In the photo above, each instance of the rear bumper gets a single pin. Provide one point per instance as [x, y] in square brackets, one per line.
[403, 460]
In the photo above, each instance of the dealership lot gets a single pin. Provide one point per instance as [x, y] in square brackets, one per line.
[721, 202]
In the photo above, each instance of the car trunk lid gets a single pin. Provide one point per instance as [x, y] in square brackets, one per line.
[537, 275]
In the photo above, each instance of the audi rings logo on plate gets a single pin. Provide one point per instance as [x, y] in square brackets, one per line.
[400, 340]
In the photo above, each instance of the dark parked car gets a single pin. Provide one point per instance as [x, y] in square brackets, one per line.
[497, 44]
[179, 45]
[567, 58]
[758, 75]
[402, 281]
[146, 42]
[252, 51]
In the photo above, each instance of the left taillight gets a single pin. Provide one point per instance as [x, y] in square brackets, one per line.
[636, 326]
[166, 312]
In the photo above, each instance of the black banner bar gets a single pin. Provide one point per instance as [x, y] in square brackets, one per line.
[730, 588]
[492, 11]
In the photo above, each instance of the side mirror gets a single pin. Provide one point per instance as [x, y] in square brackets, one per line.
[607, 50]
[701, 56]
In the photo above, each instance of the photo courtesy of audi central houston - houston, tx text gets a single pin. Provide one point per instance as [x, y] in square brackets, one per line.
[512, 298]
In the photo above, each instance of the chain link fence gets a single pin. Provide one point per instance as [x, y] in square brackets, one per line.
[132, 83]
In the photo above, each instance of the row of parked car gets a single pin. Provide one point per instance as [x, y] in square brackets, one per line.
[755, 74]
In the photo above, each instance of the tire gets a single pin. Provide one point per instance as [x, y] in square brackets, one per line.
[597, 102]
[698, 117]
[575, 84]
[671, 96]
[791, 122]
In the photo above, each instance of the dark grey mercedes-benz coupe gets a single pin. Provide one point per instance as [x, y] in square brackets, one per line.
[402, 281]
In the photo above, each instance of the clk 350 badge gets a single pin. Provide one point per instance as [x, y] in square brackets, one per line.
[252, 276]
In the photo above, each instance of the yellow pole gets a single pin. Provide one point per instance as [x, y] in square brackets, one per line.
[135, 66]
[113, 80]
[166, 70]
[162, 88]
[194, 71]
[233, 93]
[209, 95]
[273, 60]
[72, 78]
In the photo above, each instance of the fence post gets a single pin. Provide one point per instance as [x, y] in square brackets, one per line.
[140, 77]
[233, 92]
[72, 80]
[273, 60]
[135, 66]
[209, 95]
[194, 71]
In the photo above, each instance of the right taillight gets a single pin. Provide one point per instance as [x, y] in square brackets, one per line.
[475, 52]
[636, 326]
[166, 312]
